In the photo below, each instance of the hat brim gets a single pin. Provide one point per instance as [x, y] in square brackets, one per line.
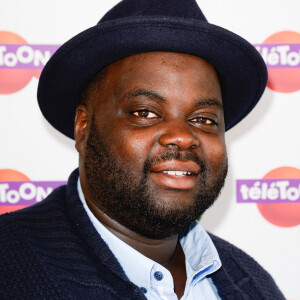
[241, 69]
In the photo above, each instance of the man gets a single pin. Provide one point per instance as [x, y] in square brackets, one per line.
[152, 88]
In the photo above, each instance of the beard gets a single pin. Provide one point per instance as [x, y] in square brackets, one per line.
[128, 198]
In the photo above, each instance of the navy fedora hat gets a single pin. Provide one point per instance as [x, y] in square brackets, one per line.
[139, 26]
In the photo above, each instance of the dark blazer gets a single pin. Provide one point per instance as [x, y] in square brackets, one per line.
[52, 251]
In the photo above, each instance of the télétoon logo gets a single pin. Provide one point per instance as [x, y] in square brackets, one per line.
[269, 190]
[281, 53]
[18, 191]
[277, 195]
[20, 61]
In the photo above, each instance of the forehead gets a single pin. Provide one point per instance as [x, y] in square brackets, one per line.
[169, 74]
[162, 64]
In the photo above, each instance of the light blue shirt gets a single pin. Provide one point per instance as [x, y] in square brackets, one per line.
[201, 259]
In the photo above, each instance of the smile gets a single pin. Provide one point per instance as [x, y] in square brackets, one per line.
[179, 175]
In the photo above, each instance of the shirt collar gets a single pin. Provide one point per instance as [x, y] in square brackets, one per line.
[201, 255]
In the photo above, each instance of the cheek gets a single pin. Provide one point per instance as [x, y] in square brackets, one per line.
[215, 153]
[132, 146]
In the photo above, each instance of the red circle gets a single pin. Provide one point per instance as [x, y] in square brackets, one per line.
[281, 214]
[284, 80]
[13, 80]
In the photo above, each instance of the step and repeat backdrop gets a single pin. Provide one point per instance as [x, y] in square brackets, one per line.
[259, 208]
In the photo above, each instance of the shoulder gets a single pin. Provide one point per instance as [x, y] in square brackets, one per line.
[55, 204]
[234, 258]
[230, 254]
[34, 213]
[225, 248]
[245, 271]
[21, 225]
[21, 233]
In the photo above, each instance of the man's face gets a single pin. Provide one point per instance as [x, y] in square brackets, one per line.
[153, 156]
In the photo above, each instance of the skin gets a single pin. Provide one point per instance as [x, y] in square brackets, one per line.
[155, 102]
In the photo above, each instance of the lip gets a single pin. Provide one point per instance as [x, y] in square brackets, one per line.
[173, 181]
[176, 165]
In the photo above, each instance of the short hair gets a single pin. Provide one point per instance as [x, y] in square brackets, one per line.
[94, 85]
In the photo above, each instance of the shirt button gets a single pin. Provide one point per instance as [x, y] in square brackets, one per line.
[158, 275]
[144, 290]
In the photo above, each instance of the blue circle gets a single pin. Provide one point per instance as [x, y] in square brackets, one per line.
[144, 290]
[158, 275]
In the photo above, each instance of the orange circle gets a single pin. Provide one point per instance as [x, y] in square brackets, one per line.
[13, 80]
[12, 175]
[284, 80]
[281, 214]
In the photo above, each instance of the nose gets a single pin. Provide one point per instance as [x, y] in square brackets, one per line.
[179, 135]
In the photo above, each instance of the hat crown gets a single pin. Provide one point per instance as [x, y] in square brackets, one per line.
[186, 9]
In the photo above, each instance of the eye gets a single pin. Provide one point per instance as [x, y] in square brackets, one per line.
[145, 114]
[204, 121]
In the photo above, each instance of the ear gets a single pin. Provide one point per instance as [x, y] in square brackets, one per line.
[80, 128]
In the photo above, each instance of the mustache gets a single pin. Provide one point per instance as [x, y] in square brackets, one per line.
[171, 155]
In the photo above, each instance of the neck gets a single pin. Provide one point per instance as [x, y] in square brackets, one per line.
[160, 251]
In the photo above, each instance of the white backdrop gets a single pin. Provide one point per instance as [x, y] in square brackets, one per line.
[266, 140]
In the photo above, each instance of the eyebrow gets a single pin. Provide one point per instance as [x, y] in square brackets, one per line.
[208, 102]
[152, 94]
[147, 93]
